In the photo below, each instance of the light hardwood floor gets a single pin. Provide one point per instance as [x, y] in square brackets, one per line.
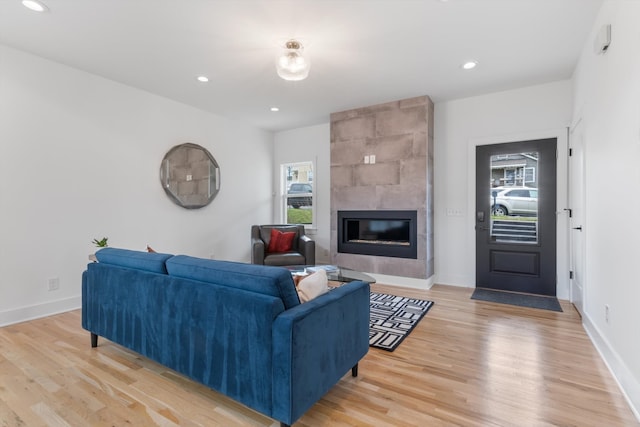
[468, 363]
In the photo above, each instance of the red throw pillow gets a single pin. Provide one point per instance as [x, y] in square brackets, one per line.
[281, 242]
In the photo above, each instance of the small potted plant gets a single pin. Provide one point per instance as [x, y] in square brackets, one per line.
[99, 244]
[102, 243]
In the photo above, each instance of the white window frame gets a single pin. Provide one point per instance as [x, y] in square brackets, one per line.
[284, 189]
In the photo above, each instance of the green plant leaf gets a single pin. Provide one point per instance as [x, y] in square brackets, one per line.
[102, 243]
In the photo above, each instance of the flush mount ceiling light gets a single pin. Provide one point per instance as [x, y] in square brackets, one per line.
[291, 62]
[274, 109]
[469, 65]
[35, 5]
[203, 79]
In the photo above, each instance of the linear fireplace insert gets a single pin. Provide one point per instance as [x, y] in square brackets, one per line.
[378, 232]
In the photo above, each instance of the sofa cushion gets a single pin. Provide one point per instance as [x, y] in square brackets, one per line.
[281, 242]
[284, 259]
[265, 233]
[145, 261]
[251, 277]
[313, 286]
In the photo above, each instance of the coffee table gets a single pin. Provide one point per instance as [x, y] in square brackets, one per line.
[335, 274]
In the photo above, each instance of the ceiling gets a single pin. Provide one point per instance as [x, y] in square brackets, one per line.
[363, 52]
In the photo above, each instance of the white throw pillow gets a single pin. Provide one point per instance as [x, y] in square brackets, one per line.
[313, 286]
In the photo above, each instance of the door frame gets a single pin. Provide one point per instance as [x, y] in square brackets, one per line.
[578, 300]
[508, 264]
[562, 178]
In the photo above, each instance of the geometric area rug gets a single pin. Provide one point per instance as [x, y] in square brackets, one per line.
[393, 318]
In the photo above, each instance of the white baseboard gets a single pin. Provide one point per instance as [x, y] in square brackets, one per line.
[37, 311]
[407, 282]
[459, 281]
[628, 384]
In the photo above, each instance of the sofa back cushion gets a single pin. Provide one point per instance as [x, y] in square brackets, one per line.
[260, 279]
[146, 261]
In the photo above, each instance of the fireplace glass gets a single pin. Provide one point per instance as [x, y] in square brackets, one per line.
[378, 232]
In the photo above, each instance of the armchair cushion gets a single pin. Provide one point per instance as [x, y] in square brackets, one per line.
[266, 231]
[281, 242]
[284, 258]
[302, 251]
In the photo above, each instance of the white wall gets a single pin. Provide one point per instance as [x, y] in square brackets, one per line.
[308, 144]
[607, 99]
[79, 159]
[460, 125]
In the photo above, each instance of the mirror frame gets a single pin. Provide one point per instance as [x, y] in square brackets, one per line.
[165, 176]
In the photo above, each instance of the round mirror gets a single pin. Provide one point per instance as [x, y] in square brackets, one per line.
[190, 176]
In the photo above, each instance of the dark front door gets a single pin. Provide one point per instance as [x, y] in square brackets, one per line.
[516, 216]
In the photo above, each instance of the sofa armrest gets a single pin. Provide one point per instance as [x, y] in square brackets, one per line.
[307, 248]
[257, 251]
[315, 344]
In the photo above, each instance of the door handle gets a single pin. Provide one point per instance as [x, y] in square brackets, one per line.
[578, 228]
[482, 228]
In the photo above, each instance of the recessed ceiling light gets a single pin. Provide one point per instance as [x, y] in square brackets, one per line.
[203, 79]
[274, 109]
[35, 5]
[469, 65]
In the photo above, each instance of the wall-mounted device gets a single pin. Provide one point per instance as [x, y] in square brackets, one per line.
[603, 39]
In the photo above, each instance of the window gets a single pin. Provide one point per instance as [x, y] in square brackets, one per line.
[298, 192]
[509, 176]
[529, 174]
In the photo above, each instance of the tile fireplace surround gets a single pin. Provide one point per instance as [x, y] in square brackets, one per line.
[400, 137]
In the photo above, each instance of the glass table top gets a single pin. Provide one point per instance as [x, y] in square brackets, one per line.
[334, 273]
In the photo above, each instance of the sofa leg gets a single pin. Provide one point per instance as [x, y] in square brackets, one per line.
[354, 370]
[94, 340]
[285, 425]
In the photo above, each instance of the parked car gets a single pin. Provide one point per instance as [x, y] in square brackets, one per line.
[305, 192]
[514, 201]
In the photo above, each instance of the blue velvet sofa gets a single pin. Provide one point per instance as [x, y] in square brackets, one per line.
[239, 329]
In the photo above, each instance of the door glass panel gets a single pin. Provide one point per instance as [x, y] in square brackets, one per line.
[514, 198]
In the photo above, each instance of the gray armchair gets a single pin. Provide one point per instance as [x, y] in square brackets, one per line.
[303, 250]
